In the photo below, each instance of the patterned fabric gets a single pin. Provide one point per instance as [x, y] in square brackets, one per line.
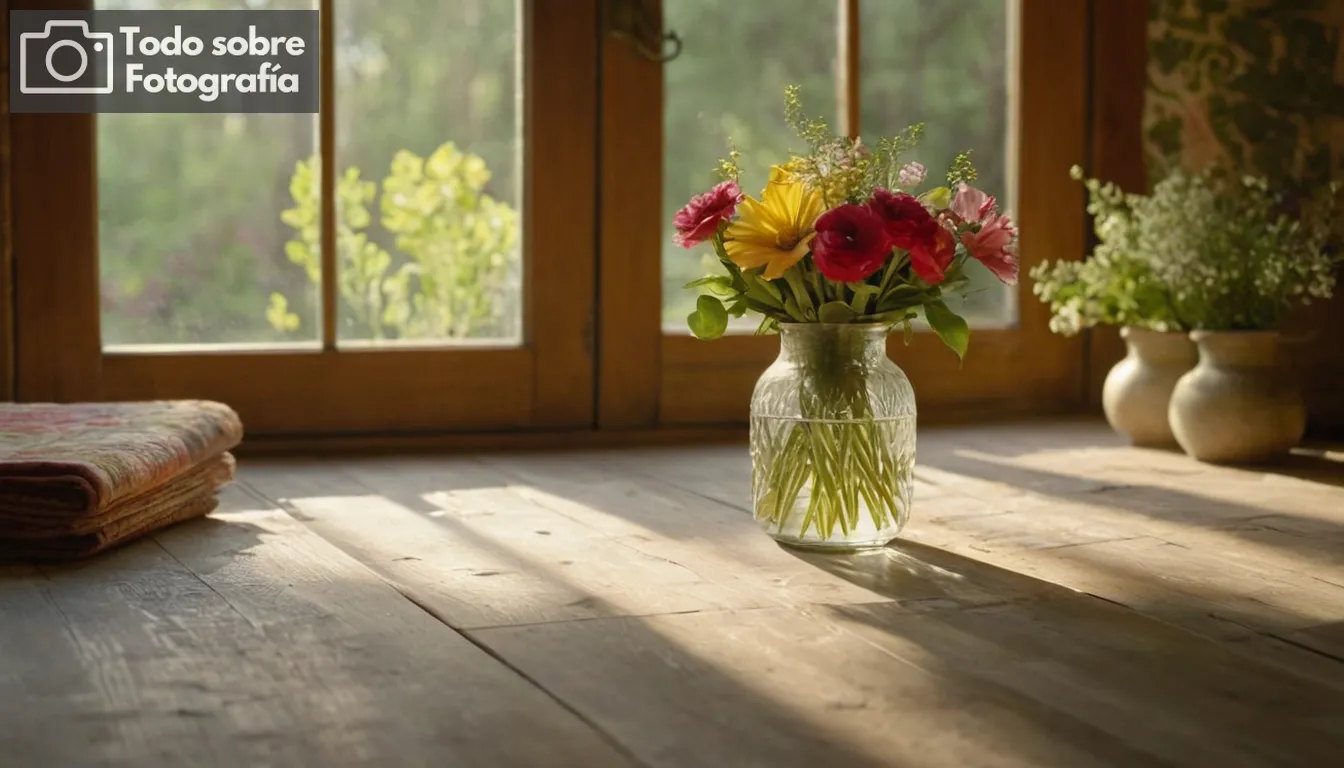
[1253, 84]
[84, 457]
[195, 494]
[77, 479]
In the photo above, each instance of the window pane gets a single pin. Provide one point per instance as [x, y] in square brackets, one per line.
[191, 238]
[427, 150]
[728, 83]
[945, 64]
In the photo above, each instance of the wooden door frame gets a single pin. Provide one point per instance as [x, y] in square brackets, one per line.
[634, 368]
[7, 372]
[679, 380]
[545, 383]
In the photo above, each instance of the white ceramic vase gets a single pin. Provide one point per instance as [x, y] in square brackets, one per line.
[1137, 391]
[1239, 405]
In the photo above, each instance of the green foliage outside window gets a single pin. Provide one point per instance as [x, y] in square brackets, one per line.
[456, 261]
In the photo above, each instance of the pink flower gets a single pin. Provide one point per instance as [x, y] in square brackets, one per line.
[700, 218]
[911, 175]
[850, 244]
[973, 206]
[994, 244]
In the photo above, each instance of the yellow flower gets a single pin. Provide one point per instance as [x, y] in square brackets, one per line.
[776, 231]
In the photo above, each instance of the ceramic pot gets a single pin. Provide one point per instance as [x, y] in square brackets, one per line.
[1239, 405]
[1138, 389]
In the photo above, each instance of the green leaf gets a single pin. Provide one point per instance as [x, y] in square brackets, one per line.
[894, 316]
[862, 293]
[710, 318]
[297, 252]
[949, 326]
[909, 332]
[798, 288]
[794, 311]
[720, 285]
[835, 312]
[764, 291]
[768, 326]
[938, 197]
[900, 295]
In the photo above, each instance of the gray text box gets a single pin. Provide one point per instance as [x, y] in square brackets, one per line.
[163, 61]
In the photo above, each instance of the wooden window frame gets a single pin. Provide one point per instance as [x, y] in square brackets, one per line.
[547, 382]
[1009, 371]
[633, 380]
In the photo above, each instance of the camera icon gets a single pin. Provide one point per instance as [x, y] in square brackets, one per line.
[65, 58]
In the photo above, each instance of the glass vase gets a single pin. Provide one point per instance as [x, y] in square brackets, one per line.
[832, 439]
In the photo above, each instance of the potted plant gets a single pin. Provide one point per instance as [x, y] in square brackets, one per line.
[1119, 285]
[1241, 255]
[839, 249]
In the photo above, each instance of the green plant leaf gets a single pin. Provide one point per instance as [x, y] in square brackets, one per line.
[894, 316]
[949, 326]
[835, 312]
[938, 197]
[900, 296]
[764, 291]
[909, 332]
[862, 293]
[709, 320]
[297, 252]
[719, 285]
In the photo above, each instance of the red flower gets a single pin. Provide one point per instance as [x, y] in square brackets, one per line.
[850, 244]
[908, 224]
[931, 260]
[701, 217]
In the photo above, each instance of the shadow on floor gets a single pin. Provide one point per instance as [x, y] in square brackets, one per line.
[1021, 669]
[1309, 536]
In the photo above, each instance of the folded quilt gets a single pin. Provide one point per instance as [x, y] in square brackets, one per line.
[76, 479]
[69, 461]
[193, 495]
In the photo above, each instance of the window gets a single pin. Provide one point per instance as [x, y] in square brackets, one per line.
[1003, 78]
[728, 84]
[369, 269]
[472, 234]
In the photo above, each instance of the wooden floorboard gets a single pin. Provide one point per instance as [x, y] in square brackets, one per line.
[1058, 599]
[1077, 603]
[247, 640]
[1252, 556]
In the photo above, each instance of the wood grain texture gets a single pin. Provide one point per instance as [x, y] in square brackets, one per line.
[630, 267]
[561, 233]
[1058, 600]
[54, 215]
[353, 391]
[1119, 53]
[634, 586]
[1249, 557]
[7, 339]
[246, 640]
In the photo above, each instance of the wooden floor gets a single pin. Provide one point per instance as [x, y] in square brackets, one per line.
[1060, 600]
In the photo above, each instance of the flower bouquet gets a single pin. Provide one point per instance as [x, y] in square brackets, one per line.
[841, 248]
